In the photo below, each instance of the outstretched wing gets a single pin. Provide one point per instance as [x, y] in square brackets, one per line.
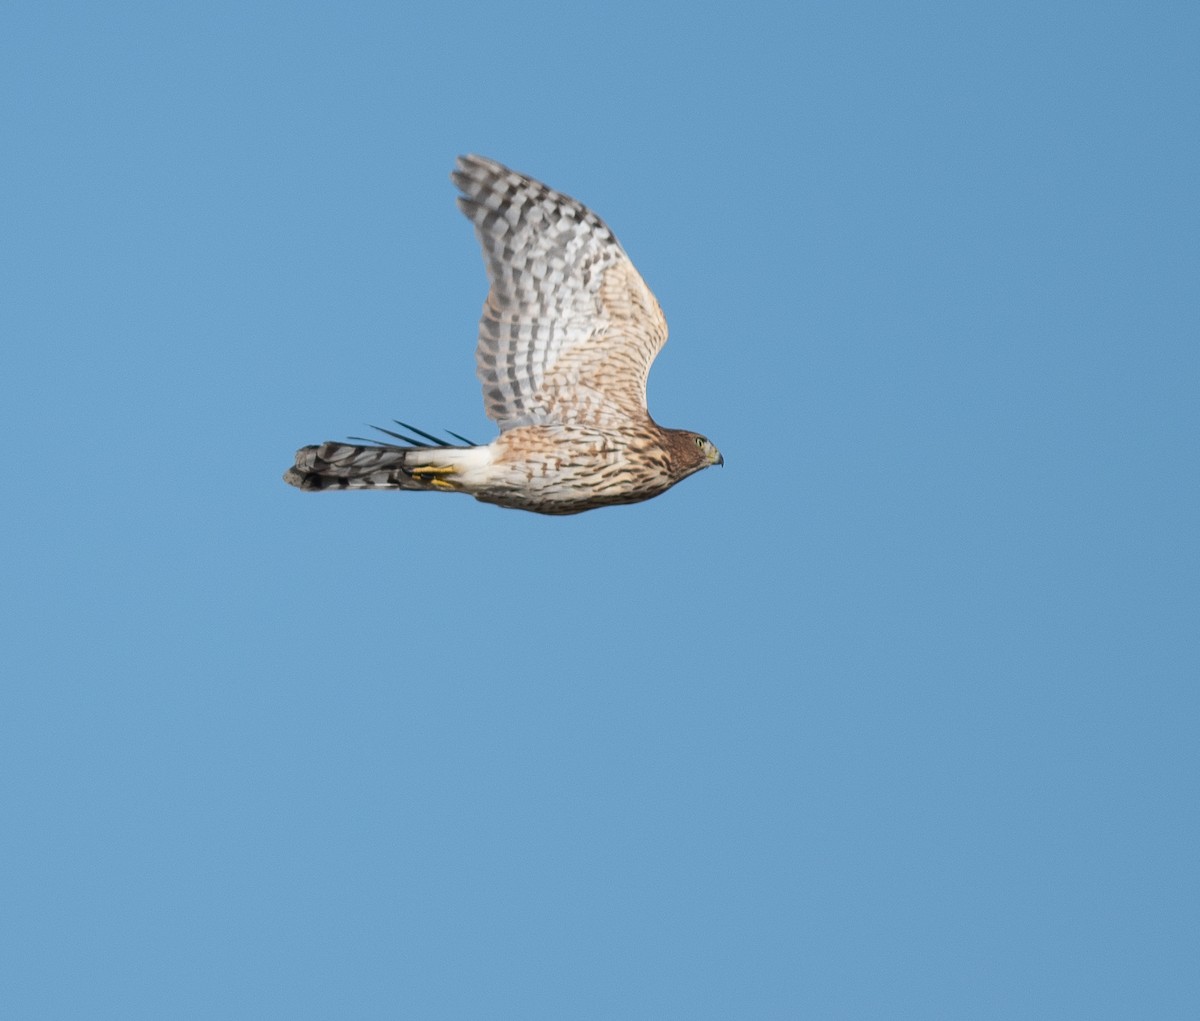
[569, 328]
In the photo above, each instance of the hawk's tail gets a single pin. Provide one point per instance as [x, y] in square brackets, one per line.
[345, 466]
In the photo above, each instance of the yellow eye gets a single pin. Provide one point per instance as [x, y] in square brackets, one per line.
[699, 441]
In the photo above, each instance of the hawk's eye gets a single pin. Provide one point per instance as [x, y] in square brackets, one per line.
[699, 441]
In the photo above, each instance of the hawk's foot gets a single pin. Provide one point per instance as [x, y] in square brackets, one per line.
[431, 474]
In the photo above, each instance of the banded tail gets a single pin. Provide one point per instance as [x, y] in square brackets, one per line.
[423, 465]
[345, 466]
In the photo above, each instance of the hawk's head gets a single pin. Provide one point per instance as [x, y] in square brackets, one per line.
[690, 452]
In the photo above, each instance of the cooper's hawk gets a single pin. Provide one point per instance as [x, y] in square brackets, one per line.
[569, 330]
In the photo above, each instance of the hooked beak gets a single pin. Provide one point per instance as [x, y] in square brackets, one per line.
[718, 459]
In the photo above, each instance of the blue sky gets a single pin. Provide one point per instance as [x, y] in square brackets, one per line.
[895, 715]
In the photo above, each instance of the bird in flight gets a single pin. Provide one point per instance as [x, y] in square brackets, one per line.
[566, 339]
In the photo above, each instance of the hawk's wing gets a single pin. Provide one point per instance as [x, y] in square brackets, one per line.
[569, 328]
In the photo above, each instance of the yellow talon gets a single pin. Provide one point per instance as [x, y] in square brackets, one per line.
[428, 473]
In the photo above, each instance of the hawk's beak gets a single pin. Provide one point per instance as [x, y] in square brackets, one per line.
[716, 458]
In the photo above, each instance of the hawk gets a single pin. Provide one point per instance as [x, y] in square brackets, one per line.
[568, 332]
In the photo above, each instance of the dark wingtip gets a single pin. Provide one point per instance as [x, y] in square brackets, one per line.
[411, 441]
[399, 436]
[421, 432]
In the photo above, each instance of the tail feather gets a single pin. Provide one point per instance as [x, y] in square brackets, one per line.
[345, 466]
